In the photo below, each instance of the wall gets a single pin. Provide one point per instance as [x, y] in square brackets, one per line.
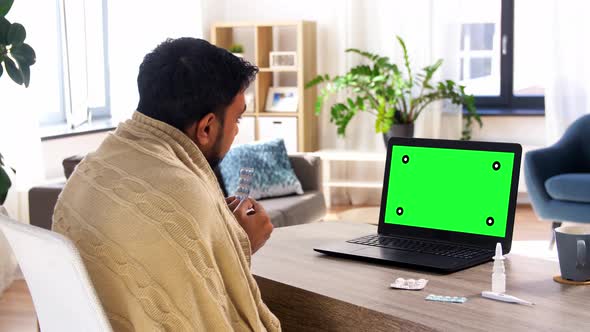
[137, 27]
[526, 130]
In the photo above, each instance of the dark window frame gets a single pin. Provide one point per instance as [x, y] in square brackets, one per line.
[507, 103]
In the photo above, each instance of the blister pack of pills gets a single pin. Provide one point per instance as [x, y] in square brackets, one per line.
[244, 183]
[440, 298]
[410, 284]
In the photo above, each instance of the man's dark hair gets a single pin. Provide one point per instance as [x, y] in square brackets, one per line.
[184, 79]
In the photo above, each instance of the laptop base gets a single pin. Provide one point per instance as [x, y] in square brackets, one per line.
[403, 258]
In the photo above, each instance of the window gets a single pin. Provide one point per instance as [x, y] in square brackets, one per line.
[480, 70]
[503, 53]
[83, 40]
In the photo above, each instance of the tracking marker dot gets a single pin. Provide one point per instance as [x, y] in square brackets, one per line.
[405, 159]
[490, 221]
[496, 165]
[399, 211]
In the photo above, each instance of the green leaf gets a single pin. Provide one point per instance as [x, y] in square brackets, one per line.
[4, 27]
[360, 103]
[26, 71]
[1, 68]
[351, 103]
[16, 34]
[23, 65]
[450, 84]
[382, 62]
[379, 78]
[4, 184]
[370, 56]
[25, 53]
[5, 7]
[406, 61]
[318, 107]
[396, 71]
[315, 81]
[13, 72]
[341, 115]
[320, 101]
[362, 70]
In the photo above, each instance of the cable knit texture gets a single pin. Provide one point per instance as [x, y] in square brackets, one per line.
[162, 249]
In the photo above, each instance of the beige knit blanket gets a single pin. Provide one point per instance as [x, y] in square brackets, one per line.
[160, 244]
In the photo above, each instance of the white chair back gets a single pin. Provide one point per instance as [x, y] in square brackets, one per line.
[62, 292]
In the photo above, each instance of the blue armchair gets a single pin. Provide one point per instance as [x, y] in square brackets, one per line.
[558, 177]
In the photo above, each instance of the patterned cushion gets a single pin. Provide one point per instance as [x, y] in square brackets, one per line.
[273, 174]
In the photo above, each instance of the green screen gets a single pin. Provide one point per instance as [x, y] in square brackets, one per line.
[449, 189]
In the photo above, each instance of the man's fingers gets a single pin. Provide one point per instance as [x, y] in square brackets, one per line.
[257, 206]
[243, 206]
[230, 199]
[232, 206]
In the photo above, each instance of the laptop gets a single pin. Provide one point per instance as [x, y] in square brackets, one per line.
[445, 204]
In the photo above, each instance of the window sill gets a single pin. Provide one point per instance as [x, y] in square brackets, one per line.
[498, 111]
[64, 131]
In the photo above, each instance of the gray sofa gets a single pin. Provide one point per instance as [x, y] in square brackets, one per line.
[283, 211]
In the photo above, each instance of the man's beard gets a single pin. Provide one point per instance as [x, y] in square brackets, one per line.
[215, 158]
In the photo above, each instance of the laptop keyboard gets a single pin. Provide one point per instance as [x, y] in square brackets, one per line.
[421, 246]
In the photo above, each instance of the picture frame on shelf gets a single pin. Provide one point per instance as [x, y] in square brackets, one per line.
[283, 60]
[282, 99]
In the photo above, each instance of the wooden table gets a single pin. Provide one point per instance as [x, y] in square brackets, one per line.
[311, 291]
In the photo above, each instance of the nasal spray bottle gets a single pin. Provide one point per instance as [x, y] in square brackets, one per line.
[499, 274]
[499, 281]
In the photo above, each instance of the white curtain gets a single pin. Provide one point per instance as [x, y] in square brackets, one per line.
[567, 96]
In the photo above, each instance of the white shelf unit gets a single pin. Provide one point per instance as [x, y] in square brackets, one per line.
[299, 129]
[330, 156]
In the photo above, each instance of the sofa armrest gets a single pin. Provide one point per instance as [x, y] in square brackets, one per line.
[70, 163]
[308, 170]
[42, 201]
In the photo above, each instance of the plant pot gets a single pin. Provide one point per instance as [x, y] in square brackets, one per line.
[399, 130]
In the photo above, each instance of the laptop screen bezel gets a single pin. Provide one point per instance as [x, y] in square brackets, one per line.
[476, 240]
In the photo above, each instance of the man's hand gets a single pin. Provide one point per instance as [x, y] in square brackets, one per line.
[253, 219]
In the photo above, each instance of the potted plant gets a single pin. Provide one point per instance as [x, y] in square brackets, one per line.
[237, 50]
[395, 96]
[16, 58]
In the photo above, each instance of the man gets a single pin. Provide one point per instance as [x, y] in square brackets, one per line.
[164, 249]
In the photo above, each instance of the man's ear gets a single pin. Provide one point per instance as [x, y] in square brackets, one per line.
[204, 131]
